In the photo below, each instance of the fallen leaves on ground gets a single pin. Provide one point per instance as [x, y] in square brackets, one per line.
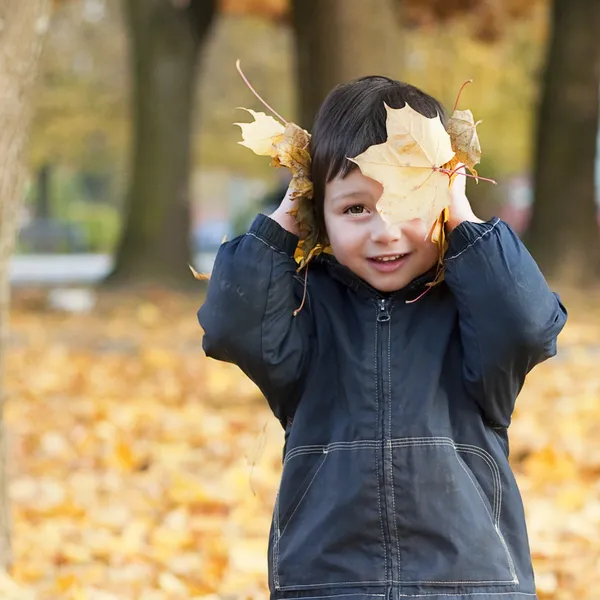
[142, 470]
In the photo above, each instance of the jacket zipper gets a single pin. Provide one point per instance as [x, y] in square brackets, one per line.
[383, 317]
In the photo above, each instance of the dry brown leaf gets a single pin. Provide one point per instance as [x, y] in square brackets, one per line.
[291, 151]
[200, 276]
[287, 146]
[463, 135]
[407, 164]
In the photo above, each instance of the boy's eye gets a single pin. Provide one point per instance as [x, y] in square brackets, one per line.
[357, 209]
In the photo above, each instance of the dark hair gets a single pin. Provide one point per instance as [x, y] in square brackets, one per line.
[351, 119]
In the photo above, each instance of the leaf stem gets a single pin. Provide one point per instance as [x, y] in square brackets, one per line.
[419, 296]
[239, 69]
[460, 92]
[295, 313]
[456, 172]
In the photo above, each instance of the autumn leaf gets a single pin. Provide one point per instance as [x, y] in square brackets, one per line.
[463, 136]
[407, 165]
[288, 148]
[199, 276]
[259, 134]
[286, 145]
[438, 237]
[291, 151]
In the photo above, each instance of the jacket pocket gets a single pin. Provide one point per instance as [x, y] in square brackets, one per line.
[448, 519]
[327, 522]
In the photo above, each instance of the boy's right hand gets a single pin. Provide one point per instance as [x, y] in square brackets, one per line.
[282, 214]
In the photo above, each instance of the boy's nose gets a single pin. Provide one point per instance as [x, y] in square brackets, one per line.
[384, 232]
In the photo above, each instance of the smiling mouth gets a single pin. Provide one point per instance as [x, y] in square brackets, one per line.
[390, 263]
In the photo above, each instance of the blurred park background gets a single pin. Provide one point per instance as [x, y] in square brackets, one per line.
[134, 467]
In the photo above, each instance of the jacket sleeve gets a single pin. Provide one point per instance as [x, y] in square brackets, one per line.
[508, 317]
[248, 313]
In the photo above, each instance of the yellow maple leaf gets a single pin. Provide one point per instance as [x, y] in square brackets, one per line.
[407, 165]
[286, 145]
[463, 136]
[258, 135]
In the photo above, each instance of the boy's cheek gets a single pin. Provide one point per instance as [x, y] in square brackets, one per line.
[428, 260]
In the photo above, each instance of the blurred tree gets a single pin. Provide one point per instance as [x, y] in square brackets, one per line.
[564, 235]
[489, 20]
[166, 37]
[23, 27]
[336, 41]
[83, 88]
[275, 10]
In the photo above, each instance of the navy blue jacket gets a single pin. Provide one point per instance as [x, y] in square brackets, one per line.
[396, 482]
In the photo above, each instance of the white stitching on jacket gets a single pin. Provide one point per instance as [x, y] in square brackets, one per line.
[467, 594]
[339, 595]
[276, 536]
[466, 470]
[305, 492]
[340, 583]
[250, 233]
[314, 449]
[474, 241]
[389, 359]
[489, 459]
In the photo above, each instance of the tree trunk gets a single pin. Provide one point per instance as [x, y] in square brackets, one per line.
[166, 37]
[564, 236]
[43, 197]
[339, 40]
[21, 36]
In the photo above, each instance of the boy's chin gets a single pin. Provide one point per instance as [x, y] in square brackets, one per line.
[389, 288]
[389, 283]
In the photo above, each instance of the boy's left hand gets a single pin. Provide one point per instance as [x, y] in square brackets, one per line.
[460, 207]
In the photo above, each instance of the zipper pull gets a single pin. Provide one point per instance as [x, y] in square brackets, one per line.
[383, 314]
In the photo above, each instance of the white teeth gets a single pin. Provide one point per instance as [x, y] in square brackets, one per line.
[389, 258]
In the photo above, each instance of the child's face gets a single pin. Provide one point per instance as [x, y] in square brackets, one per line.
[360, 238]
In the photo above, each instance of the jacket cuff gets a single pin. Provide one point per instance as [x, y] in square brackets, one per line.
[467, 234]
[274, 235]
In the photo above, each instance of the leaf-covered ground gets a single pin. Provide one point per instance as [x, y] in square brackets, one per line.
[142, 470]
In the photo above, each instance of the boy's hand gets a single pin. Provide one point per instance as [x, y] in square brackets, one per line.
[282, 215]
[460, 208]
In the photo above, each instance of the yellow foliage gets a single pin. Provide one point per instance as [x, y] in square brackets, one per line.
[286, 145]
[124, 490]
